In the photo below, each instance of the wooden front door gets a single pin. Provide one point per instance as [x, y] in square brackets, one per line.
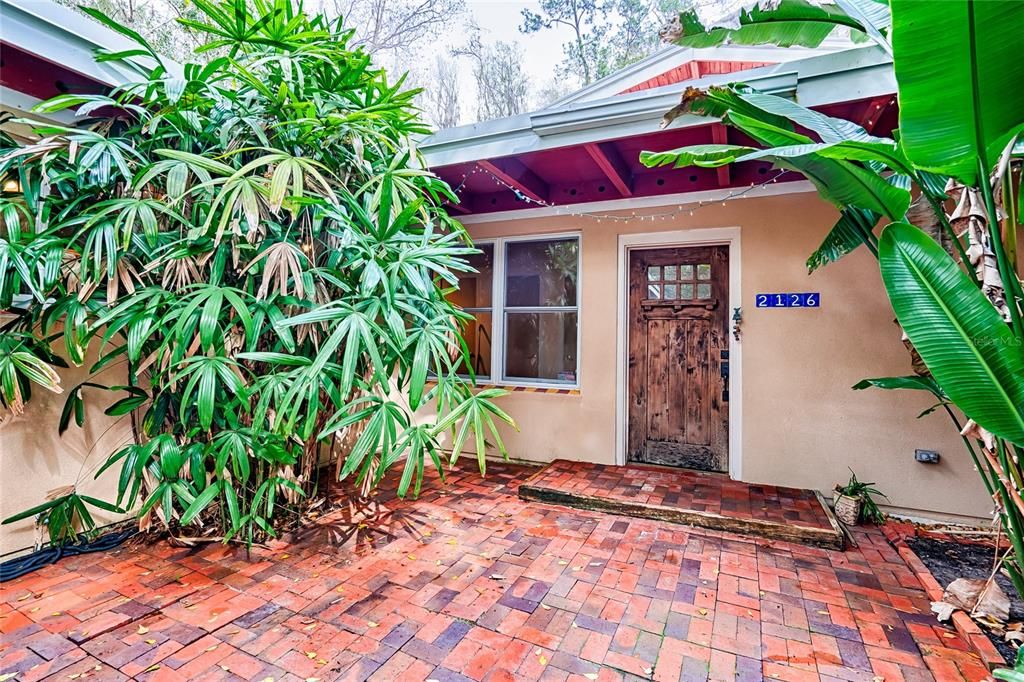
[679, 357]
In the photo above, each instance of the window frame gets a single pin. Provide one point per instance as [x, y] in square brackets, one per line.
[499, 311]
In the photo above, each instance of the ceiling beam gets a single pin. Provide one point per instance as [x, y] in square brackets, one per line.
[720, 135]
[515, 174]
[611, 164]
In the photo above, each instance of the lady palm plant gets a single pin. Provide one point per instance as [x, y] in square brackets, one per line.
[947, 190]
[256, 241]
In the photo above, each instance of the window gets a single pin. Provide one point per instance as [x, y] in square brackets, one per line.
[676, 282]
[476, 295]
[525, 305]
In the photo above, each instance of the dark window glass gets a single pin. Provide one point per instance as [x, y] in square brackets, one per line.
[541, 346]
[541, 273]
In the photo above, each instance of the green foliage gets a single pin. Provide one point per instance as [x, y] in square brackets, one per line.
[968, 347]
[972, 49]
[869, 511]
[964, 320]
[846, 165]
[1014, 675]
[22, 364]
[257, 243]
[854, 227]
[66, 516]
[791, 23]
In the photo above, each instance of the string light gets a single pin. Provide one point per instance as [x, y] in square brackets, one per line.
[566, 209]
[688, 210]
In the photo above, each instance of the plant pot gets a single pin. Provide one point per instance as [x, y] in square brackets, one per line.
[847, 508]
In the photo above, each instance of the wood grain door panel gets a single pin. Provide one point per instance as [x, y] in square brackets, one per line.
[678, 392]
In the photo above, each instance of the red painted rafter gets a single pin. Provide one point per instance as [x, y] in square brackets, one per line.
[514, 173]
[875, 109]
[720, 135]
[458, 208]
[611, 164]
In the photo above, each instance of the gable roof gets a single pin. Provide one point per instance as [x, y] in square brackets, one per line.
[672, 60]
[815, 81]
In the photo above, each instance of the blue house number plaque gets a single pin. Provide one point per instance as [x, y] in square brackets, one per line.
[788, 300]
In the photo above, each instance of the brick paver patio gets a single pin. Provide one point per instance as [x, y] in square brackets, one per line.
[471, 582]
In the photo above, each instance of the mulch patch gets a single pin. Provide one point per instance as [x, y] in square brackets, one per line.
[951, 560]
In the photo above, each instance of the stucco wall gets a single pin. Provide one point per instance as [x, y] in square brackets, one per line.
[35, 459]
[802, 424]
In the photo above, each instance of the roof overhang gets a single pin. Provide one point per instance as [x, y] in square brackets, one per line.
[68, 40]
[588, 150]
[49, 49]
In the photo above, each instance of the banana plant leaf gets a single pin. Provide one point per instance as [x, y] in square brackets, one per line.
[884, 153]
[969, 349]
[959, 71]
[912, 382]
[850, 231]
[874, 18]
[841, 182]
[829, 128]
[793, 22]
[703, 155]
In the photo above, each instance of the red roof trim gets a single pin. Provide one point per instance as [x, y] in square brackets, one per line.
[693, 70]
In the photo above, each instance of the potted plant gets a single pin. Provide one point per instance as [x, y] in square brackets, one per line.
[853, 502]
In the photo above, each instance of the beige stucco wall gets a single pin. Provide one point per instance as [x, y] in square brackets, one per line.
[802, 425]
[35, 459]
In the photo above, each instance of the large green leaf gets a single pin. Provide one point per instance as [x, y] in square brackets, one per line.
[850, 231]
[793, 22]
[829, 128]
[912, 382]
[717, 101]
[963, 340]
[704, 155]
[872, 152]
[841, 182]
[959, 69]
[873, 16]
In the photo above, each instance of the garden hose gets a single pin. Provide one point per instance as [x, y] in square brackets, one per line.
[15, 568]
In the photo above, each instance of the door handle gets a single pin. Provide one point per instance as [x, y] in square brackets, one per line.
[724, 371]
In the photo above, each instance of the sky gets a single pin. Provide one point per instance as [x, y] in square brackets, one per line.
[500, 20]
[541, 50]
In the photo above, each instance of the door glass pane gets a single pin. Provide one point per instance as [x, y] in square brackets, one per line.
[685, 272]
[670, 273]
[541, 346]
[685, 291]
[477, 335]
[704, 271]
[670, 291]
[541, 273]
[654, 291]
[653, 273]
[476, 288]
[703, 291]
